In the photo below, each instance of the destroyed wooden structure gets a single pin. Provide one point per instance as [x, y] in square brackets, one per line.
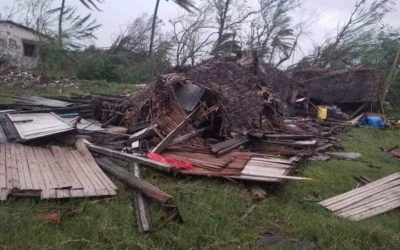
[239, 125]
[227, 117]
[51, 173]
[349, 89]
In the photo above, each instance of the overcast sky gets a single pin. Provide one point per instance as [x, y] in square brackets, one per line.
[116, 13]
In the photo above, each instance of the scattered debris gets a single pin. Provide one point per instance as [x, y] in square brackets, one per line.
[50, 173]
[228, 117]
[344, 155]
[395, 153]
[258, 192]
[25, 127]
[369, 200]
[274, 240]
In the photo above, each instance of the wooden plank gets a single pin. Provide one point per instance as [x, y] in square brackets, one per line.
[171, 136]
[88, 188]
[357, 191]
[264, 171]
[273, 160]
[20, 169]
[225, 147]
[23, 164]
[268, 164]
[84, 151]
[3, 166]
[10, 165]
[63, 181]
[130, 179]
[362, 196]
[49, 191]
[395, 203]
[100, 189]
[284, 177]
[371, 199]
[67, 170]
[378, 200]
[141, 205]
[3, 194]
[130, 157]
[36, 176]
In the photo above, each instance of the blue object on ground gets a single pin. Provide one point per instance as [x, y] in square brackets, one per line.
[374, 121]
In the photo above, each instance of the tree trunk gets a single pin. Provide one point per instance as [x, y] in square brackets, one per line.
[222, 21]
[60, 22]
[391, 75]
[153, 28]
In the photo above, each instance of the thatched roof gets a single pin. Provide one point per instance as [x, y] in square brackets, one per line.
[340, 87]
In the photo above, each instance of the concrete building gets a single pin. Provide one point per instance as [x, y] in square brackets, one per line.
[19, 44]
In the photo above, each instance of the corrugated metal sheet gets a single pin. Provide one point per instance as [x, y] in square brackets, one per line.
[188, 95]
[37, 125]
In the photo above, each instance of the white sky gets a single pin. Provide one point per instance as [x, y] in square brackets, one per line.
[116, 13]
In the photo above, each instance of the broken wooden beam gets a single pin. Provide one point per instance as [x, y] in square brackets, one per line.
[141, 204]
[130, 158]
[170, 137]
[225, 147]
[133, 181]
[110, 121]
[188, 136]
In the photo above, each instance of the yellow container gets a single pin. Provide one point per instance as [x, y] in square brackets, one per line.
[322, 113]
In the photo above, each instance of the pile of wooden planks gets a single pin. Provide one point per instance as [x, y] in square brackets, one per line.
[372, 199]
[51, 173]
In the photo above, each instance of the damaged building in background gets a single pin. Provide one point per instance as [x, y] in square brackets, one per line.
[19, 45]
[349, 89]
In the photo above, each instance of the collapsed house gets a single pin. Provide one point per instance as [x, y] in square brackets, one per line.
[228, 117]
[349, 89]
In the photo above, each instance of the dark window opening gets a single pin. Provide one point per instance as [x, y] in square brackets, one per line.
[29, 49]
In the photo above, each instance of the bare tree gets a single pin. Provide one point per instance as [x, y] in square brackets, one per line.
[355, 31]
[272, 32]
[185, 4]
[230, 15]
[192, 36]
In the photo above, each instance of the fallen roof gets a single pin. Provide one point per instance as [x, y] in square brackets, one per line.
[51, 173]
[340, 87]
[23, 27]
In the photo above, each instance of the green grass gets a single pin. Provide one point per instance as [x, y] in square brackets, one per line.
[213, 210]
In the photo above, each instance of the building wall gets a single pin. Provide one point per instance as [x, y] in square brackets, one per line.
[12, 39]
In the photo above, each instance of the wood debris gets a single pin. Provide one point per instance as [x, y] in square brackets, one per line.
[369, 200]
[50, 173]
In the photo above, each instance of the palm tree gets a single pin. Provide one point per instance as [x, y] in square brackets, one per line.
[186, 4]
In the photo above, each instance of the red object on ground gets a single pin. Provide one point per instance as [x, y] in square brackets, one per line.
[177, 164]
[54, 218]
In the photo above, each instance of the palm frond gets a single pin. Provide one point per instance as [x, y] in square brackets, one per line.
[91, 3]
[186, 4]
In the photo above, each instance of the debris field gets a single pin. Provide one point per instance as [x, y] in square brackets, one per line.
[228, 117]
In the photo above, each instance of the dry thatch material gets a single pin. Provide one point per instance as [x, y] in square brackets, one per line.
[340, 87]
[238, 91]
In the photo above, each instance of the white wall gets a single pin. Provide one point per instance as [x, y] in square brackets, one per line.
[11, 38]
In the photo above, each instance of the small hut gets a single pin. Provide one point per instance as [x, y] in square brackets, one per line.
[346, 88]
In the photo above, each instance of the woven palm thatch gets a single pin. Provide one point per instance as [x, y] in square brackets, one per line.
[340, 87]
